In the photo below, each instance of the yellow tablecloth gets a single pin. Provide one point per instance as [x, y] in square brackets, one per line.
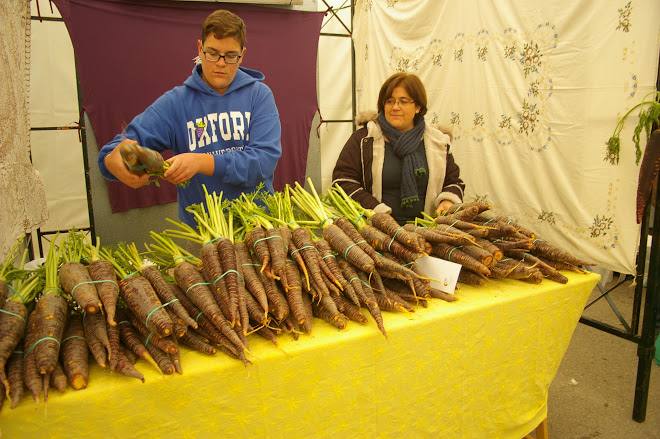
[476, 368]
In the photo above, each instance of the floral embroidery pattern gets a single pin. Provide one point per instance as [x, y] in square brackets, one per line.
[505, 122]
[482, 44]
[481, 199]
[482, 52]
[528, 54]
[547, 34]
[478, 133]
[435, 121]
[510, 43]
[392, 3]
[458, 55]
[548, 217]
[402, 61]
[366, 4]
[533, 88]
[458, 44]
[624, 17]
[633, 85]
[629, 54]
[601, 226]
[510, 51]
[530, 58]
[435, 48]
[528, 118]
[504, 135]
[366, 52]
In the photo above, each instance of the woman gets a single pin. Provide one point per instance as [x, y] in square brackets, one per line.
[396, 163]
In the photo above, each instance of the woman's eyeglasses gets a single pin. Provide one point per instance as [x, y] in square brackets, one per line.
[401, 101]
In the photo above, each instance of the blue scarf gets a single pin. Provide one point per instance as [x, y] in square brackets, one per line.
[406, 146]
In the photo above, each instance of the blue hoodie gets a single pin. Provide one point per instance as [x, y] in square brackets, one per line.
[240, 128]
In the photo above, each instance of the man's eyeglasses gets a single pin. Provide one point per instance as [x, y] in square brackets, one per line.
[401, 101]
[229, 57]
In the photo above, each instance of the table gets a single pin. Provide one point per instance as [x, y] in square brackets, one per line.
[476, 368]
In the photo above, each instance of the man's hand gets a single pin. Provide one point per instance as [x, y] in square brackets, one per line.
[185, 166]
[443, 206]
[116, 167]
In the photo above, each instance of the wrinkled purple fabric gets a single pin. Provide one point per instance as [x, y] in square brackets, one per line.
[129, 53]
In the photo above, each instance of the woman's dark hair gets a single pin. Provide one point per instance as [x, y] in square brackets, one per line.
[222, 24]
[411, 83]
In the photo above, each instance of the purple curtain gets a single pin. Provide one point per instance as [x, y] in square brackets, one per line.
[129, 53]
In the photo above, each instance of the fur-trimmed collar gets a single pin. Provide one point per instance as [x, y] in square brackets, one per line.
[366, 116]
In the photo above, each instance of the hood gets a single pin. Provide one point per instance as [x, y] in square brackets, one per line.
[365, 116]
[244, 76]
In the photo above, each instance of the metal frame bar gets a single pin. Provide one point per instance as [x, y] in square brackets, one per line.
[646, 347]
[617, 313]
[615, 310]
[43, 235]
[607, 292]
[639, 276]
[331, 9]
[353, 84]
[331, 34]
[83, 139]
[71, 127]
[348, 35]
[83, 142]
[38, 18]
[645, 341]
[632, 330]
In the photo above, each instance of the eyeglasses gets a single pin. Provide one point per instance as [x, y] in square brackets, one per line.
[229, 57]
[401, 101]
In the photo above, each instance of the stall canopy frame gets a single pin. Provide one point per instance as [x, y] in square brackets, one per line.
[38, 247]
[644, 338]
[42, 235]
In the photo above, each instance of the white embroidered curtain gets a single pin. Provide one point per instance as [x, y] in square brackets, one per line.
[530, 92]
[22, 196]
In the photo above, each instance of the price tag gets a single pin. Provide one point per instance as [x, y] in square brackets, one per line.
[34, 264]
[443, 274]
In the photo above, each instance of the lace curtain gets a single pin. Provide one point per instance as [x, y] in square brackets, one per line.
[22, 195]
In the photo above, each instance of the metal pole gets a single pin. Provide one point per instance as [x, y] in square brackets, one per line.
[646, 348]
[639, 277]
[354, 109]
[83, 140]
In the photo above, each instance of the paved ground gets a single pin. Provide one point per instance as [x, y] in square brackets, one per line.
[592, 395]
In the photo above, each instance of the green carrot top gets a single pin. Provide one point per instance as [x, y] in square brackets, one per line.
[348, 207]
[52, 283]
[166, 253]
[7, 269]
[73, 247]
[649, 114]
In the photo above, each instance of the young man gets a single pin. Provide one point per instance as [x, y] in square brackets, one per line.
[222, 123]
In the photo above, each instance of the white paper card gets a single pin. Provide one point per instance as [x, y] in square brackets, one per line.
[443, 274]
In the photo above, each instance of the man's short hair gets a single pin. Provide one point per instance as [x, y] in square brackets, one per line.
[222, 24]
